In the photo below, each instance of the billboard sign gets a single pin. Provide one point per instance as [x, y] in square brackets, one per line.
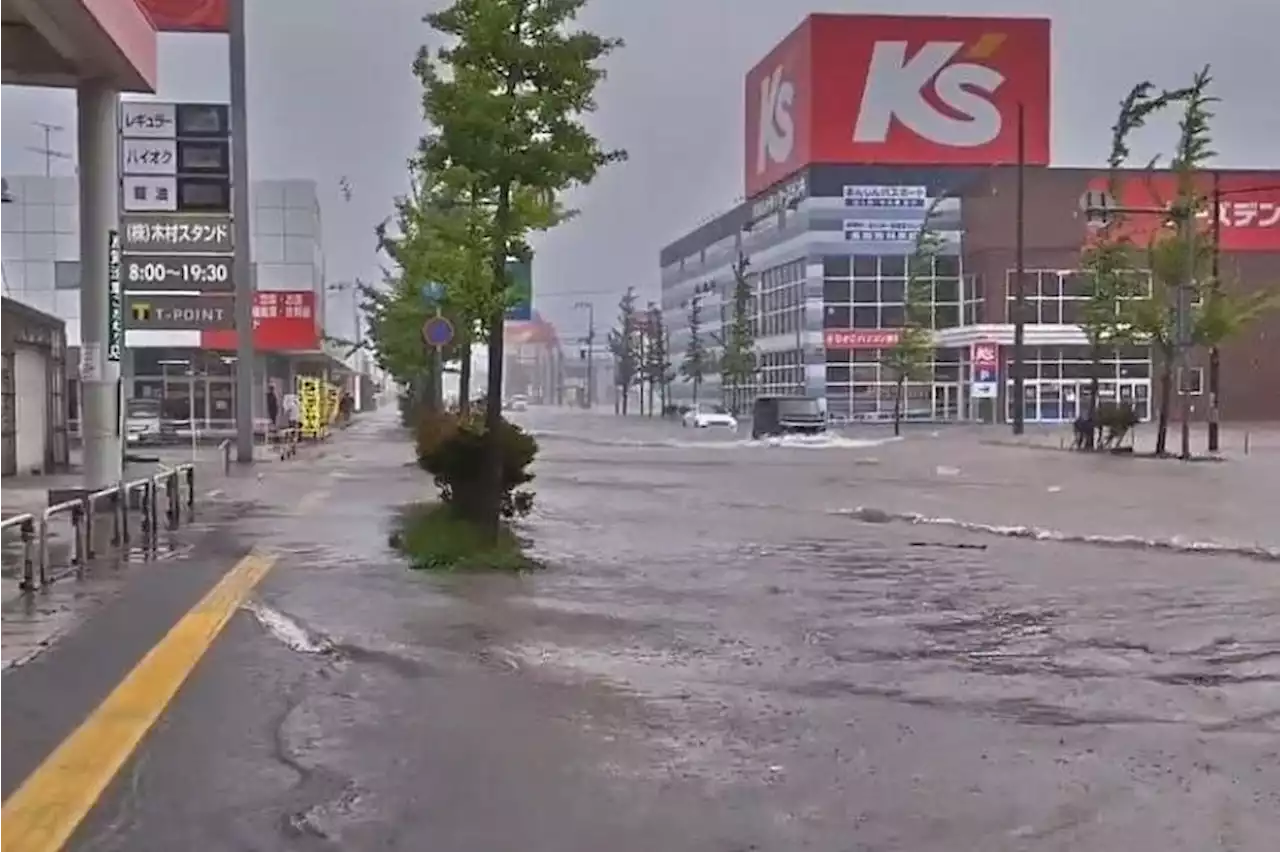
[986, 370]
[198, 16]
[898, 90]
[176, 234]
[183, 313]
[283, 321]
[874, 231]
[1248, 212]
[843, 338]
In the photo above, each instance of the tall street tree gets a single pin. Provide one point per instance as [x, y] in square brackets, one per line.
[506, 99]
[697, 361]
[657, 358]
[911, 357]
[738, 365]
[623, 344]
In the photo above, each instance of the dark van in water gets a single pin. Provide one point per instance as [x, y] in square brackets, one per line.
[786, 415]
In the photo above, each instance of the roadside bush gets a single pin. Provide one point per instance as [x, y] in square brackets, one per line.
[435, 537]
[451, 449]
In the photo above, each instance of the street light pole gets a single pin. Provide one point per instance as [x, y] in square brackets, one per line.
[591, 341]
[242, 265]
[1215, 356]
[1020, 286]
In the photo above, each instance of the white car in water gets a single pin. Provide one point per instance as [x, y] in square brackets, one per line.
[707, 416]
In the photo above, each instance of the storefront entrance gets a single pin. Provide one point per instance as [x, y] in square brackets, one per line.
[1063, 400]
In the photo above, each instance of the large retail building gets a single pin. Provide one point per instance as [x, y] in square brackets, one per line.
[830, 220]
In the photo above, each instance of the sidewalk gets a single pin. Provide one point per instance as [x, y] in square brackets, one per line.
[1032, 482]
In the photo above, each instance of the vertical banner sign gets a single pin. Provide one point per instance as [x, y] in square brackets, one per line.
[115, 300]
[986, 370]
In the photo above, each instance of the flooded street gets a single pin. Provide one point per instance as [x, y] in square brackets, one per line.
[720, 656]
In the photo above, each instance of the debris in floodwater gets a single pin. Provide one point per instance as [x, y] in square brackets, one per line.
[949, 545]
[943, 470]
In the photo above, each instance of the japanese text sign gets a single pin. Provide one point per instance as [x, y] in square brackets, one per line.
[1248, 210]
[177, 234]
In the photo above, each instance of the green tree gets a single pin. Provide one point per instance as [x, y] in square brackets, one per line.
[738, 366]
[657, 358]
[1180, 257]
[506, 100]
[911, 357]
[696, 357]
[1109, 260]
[623, 342]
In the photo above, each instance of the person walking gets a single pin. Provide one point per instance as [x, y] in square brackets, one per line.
[273, 412]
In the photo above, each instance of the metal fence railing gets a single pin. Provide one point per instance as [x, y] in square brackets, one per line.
[114, 505]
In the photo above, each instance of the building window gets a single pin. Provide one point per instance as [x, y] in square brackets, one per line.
[875, 287]
[1058, 296]
[1190, 382]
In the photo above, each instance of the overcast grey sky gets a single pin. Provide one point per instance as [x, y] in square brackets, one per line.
[331, 94]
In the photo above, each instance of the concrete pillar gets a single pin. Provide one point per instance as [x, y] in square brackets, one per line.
[97, 108]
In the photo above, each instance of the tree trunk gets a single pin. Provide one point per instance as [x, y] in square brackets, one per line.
[697, 383]
[1166, 402]
[491, 519]
[624, 391]
[1095, 386]
[651, 397]
[897, 406]
[464, 380]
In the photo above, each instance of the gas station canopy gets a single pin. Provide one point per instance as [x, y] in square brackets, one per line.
[62, 42]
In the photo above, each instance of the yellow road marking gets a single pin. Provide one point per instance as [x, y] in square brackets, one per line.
[41, 815]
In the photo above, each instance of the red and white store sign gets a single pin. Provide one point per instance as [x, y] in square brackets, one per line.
[1248, 209]
[283, 321]
[898, 90]
[986, 354]
[839, 338]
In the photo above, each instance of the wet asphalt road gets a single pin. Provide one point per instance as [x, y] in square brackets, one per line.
[712, 661]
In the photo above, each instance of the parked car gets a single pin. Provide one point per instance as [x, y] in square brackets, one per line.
[517, 403]
[706, 416]
[786, 415]
[143, 424]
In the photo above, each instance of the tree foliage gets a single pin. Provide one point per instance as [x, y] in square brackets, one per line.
[1179, 254]
[656, 368]
[738, 364]
[697, 360]
[624, 345]
[911, 357]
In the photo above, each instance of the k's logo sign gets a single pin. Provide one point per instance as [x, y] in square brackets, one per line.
[141, 311]
[777, 127]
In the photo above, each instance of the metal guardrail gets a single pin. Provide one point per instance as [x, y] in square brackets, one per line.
[179, 487]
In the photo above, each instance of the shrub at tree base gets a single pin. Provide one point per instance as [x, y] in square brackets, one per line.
[434, 537]
[452, 449]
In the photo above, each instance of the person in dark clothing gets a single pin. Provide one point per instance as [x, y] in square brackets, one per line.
[273, 409]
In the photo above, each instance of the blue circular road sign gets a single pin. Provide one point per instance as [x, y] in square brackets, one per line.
[437, 332]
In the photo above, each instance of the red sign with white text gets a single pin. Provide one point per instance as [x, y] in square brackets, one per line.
[1248, 209]
[283, 321]
[187, 16]
[898, 90]
[840, 338]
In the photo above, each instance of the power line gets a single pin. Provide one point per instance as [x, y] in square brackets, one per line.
[49, 152]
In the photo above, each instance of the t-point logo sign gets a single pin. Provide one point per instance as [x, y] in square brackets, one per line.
[777, 125]
[899, 85]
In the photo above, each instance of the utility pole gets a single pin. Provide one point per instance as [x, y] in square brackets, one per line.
[1182, 320]
[48, 151]
[1215, 356]
[590, 308]
[1020, 286]
[242, 265]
